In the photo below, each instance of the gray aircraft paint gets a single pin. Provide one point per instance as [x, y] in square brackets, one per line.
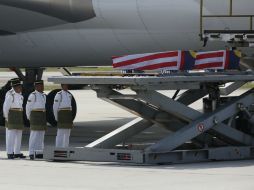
[67, 10]
[6, 33]
[120, 27]
[44, 13]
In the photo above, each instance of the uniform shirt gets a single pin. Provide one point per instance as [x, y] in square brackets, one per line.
[36, 100]
[9, 92]
[62, 100]
[13, 100]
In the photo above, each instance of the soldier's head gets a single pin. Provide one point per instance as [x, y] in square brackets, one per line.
[16, 85]
[39, 85]
[14, 80]
[65, 87]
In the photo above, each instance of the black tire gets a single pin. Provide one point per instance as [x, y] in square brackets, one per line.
[49, 107]
[3, 91]
[2, 97]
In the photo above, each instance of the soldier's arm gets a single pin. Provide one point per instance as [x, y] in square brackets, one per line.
[7, 94]
[29, 105]
[56, 105]
[7, 106]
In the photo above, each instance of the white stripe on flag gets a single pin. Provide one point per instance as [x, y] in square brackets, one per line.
[150, 62]
[209, 52]
[131, 57]
[209, 60]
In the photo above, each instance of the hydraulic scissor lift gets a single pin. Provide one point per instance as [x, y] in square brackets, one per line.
[223, 131]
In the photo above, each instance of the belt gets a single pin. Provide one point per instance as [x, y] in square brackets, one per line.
[16, 109]
[39, 110]
[65, 109]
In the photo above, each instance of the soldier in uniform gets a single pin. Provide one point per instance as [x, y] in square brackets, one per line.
[63, 114]
[36, 114]
[6, 95]
[13, 113]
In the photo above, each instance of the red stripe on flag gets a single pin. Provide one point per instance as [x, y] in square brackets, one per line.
[146, 58]
[158, 66]
[227, 59]
[210, 55]
[115, 57]
[209, 65]
[182, 60]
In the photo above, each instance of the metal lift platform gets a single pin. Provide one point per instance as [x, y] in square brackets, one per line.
[223, 131]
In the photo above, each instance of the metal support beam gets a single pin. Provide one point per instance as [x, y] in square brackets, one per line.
[140, 157]
[138, 108]
[223, 131]
[204, 155]
[188, 114]
[121, 134]
[158, 117]
[202, 124]
[190, 96]
[167, 104]
[141, 109]
[94, 154]
[231, 88]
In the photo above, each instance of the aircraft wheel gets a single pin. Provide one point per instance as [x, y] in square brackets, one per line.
[3, 91]
[2, 97]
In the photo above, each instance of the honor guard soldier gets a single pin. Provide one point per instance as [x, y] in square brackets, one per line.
[36, 114]
[13, 113]
[6, 95]
[63, 114]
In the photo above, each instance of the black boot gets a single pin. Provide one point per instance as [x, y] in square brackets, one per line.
[31, 157]
[10, 156]
[19, 156]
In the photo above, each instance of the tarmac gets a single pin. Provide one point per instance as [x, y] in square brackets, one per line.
[94, 119]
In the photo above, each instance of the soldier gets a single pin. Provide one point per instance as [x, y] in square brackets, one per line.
[63, 115]
[6, 95]
[36, 114]
[13, 113]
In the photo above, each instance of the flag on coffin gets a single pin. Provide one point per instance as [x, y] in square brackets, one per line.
[221, 60]
[234, 60]
[170, 60]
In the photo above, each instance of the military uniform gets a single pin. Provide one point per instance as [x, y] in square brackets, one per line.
[63, 115]
[8, 93]
[36, 114]
[13, 113]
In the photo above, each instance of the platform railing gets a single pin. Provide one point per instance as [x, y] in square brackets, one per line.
[229, 15]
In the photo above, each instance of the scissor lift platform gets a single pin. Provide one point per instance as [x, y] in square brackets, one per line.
[224, 131]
